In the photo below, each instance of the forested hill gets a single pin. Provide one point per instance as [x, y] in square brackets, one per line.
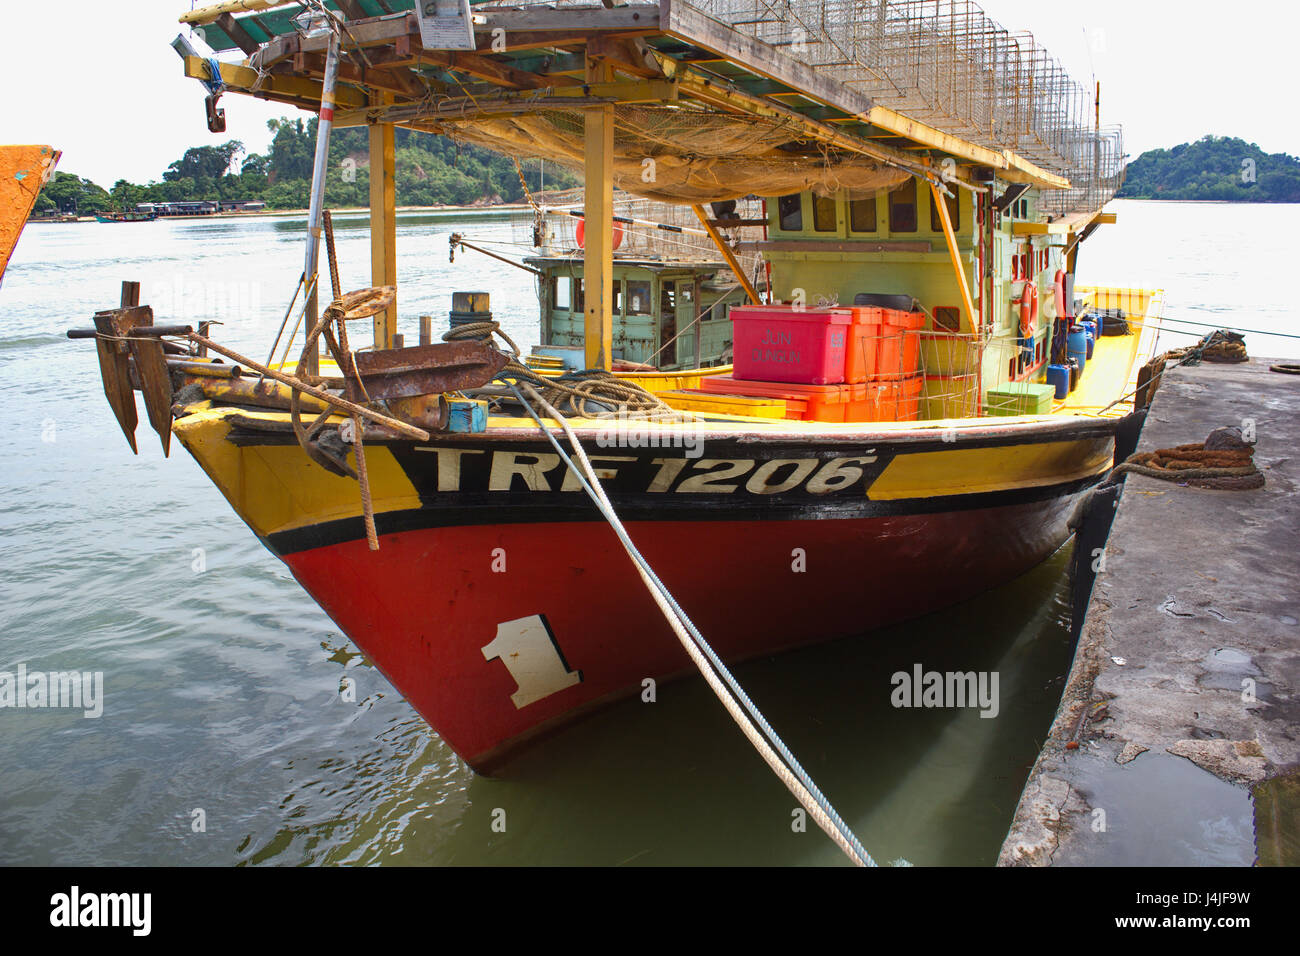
[1214, 168]
[431, 170]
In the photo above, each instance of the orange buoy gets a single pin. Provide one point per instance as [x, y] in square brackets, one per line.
[1058, 293]
[1028, 309]
[581, 233]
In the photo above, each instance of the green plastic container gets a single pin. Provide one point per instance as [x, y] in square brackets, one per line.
[1019, 398]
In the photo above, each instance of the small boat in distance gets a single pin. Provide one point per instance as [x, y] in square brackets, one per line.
[126, 217]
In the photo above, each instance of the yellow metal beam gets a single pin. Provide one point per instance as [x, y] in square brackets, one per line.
[598, 216]
[383, 221]
[1058, 228]
[926, 135]
[213, 10]
[727, 254]
[242, 79]
[955, 255]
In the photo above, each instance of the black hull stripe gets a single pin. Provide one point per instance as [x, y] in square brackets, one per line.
[464, 509]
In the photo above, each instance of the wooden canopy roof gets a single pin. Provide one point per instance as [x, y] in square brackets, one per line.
[533, 59]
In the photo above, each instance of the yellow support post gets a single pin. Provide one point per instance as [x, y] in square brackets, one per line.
[937, 198]
[383, 221]
[598, 216]
[726, 253]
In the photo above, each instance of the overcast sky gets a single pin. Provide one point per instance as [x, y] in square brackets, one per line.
[1171, 71]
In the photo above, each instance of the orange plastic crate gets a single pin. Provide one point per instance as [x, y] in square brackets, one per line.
[899, 400]
[899, 354]
[861, 357]
[811, 403]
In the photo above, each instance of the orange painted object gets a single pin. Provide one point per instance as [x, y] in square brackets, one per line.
[580, 233]
[809, 403]
[23, 171]
[1028, 309]
[899, 354]
[862, 356]
[899, 400]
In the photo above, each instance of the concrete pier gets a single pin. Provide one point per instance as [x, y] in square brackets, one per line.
[1183, 692]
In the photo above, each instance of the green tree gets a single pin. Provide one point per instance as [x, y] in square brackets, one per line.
[205, 162]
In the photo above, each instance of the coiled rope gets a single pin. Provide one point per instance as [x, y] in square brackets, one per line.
[575, 392]
[719, 678]
[1223, 461]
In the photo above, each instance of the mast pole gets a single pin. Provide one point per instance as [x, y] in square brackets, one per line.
[598, 212]
[314, 214]
[383, 220]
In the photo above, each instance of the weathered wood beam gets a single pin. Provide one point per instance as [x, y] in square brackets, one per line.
[940, 204]
[639, 16]
[685, 23]
[396, 80]
[627, 54]
[499, 104]
[351, 9]
[736, 268]
[236, 32]
[484, 68]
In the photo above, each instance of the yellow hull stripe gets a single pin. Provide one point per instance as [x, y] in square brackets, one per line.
[967, 471]
[277, 487]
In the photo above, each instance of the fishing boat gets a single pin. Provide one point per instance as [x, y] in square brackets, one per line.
[126, 217]
[874, 392]
[23, 171]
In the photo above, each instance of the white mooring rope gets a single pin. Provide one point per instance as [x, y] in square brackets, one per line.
[730, 694]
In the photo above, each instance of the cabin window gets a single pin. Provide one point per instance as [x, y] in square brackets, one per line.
[616, 298]
[579, 295]
[947, 317]
[789, 211]
[638, 298]
[823, 213]
[902, 208]
[862, 215]
[667, 314]
[562, 289]
[954, 213]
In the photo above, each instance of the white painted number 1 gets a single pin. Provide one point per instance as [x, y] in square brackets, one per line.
[533, 659]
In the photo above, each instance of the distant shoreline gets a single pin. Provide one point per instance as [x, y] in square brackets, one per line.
[292, 213]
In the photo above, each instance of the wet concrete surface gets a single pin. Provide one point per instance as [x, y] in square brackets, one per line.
[1183, 690]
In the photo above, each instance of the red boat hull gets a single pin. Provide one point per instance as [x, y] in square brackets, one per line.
[425, 607]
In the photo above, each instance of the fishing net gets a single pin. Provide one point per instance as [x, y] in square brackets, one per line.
[684, 155]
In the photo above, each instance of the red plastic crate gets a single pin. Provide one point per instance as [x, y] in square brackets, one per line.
[899, 354]
[781, 344]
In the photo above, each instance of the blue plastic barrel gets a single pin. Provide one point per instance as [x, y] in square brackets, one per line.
[1058, 376]
[1076, 345]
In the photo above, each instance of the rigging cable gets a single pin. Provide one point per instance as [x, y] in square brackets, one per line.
[773, 750]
